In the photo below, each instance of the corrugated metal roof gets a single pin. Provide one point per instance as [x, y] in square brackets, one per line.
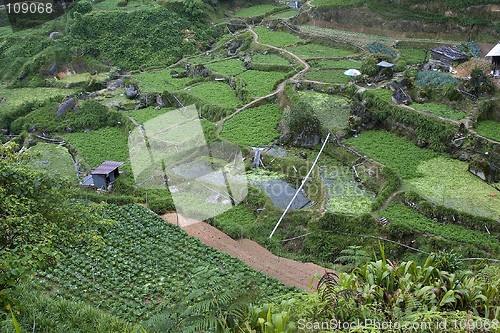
[106, 167]
[495, 52]
[450, 52]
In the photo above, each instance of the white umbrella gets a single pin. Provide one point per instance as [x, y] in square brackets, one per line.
[352, 72]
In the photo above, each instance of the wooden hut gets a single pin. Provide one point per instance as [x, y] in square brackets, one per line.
[104, 175]
[447, 56]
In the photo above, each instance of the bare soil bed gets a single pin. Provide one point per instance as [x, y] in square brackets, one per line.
[289, 272]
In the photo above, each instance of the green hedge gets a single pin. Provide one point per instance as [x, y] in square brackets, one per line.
[450, 215]
[392, 184]
[435, 131]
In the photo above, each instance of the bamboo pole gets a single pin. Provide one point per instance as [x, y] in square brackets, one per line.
[300, 187]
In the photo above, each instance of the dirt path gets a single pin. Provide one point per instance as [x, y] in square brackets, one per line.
[289, 272]
[279, 89]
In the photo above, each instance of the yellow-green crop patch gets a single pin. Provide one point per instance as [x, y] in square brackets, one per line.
[15, 97]
[285, 15]
[54, 159]
[276, 38]
[143, 115]
[332, 111]
[260, 83]
[161, 80]
[411, 56]
[440, 110]
[109, 143]
[448, 182]
[258, 10]
[336, 64]
[328, 76]
[253, 127]
[337, 3]
[215, 93]
[489, 129]
[311, 51]
[229, 67]
[269, 59]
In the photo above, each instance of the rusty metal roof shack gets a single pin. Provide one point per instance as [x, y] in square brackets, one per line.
[105, 174]
[445, 56]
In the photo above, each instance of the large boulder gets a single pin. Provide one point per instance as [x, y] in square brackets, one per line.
[66, 106]
[131, 92]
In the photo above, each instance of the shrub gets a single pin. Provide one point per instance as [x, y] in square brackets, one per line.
[432, 78]
[377, 47]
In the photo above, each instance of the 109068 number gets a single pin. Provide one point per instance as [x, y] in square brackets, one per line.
[29, 8]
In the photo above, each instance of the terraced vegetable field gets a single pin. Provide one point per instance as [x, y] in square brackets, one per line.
[258, 10]
[311, 51]
[447, 182]
[143, 115]
[328, 76]
[440, 110]
[336, 64]
[161, 80]
[389, 149]
[253, 127]
[16, 97]
[270, 59]
[400, 216]
[229, 67]
[332, 111]
[489, 129]
[276, 38]
[260, 83]
[54, 159]
[215, 93]
[143, 261]
[109, 143]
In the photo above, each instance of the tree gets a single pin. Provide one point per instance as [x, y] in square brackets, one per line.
[36, 216]
[302, 122]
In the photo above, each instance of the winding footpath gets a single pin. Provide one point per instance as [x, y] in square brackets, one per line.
[279, 89]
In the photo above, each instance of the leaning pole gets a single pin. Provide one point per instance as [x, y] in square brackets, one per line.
[300, 188]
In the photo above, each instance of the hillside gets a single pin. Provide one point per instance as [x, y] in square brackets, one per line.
[205, 166]
[477, 20]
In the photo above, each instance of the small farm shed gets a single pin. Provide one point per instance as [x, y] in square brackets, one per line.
[294, 4]
[102, 176]
[446, 56]
[495, 59]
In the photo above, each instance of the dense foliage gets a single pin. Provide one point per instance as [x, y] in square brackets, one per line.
[88, 116]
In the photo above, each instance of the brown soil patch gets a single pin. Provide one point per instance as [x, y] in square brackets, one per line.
[289, 272]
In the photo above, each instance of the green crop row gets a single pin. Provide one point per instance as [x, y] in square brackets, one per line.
[311, 51]
[276, 38]
[253, 127]
[109, 143]
[142, 261]
[392, 151]
[403, 220]
[489, 129]
[440, 110]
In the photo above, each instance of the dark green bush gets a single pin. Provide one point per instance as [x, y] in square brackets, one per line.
[89, 115]
[434, 78]
[377, 47]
